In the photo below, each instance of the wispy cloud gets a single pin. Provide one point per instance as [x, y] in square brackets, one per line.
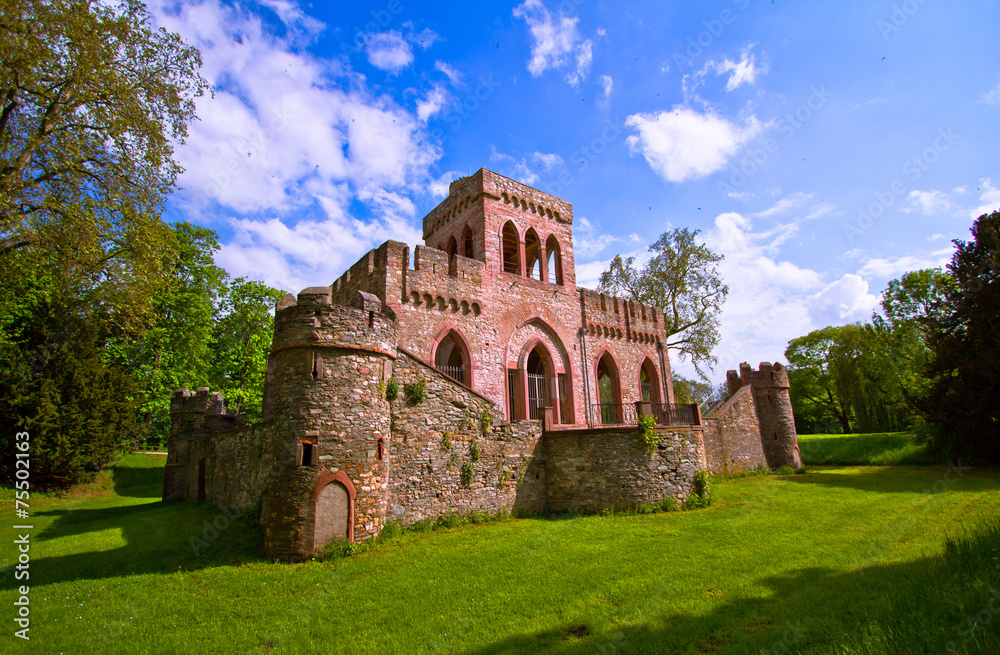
[556, 42]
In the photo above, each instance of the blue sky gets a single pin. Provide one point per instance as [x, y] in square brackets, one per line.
[823, 148]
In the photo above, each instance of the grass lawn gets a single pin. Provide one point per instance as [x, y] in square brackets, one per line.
[877, 449]
[838, 560]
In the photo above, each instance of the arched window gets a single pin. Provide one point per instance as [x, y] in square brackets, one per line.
[609, 392]
[554, 260]
[533, 254]
[452, 247]
[649, 383]
[468, 246]
[451, 357]
[511, 246]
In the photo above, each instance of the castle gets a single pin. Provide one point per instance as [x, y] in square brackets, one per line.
[479, 379]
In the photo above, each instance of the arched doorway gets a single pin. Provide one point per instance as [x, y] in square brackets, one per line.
[609, 393]
[649, 383]
[451, 357]
[538, 376]
[333, 515]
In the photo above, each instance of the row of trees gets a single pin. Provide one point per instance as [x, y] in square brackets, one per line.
[929, 361]
[104, 308]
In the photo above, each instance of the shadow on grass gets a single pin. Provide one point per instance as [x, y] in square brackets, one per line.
[905, 480]
[938, 604]
[159, 538]
[139, 476]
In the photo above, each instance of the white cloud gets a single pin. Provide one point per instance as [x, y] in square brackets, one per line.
[319, 167]
[589, 242]
[683, 144]
[389, 51]
[887, 268]
[607, 86]
[432, 103]
[792, 201]
[989, 196]
[992, 97]
[556, 42]
[453, 75]
[524, 170]
[928, 202]
[741, 72]
[844, 301]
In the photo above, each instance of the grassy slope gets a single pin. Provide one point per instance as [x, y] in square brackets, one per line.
[834, 561]
[878, 449]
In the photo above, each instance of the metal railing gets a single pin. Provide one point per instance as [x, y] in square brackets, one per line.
[456, 373]
[613, 414]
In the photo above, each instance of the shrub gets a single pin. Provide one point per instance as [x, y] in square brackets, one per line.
[701, 491]
[474, 451]
[486, 421]
[668, 504]
[784, 470]
[446, 440]
[392, 390]
[649, 435]
[466, 474]
[415, 392]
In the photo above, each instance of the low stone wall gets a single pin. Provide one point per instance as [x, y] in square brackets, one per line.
[432, 441]
[732, 436]
[594, 470]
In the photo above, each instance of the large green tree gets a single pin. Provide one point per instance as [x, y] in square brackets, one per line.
[963, 333]
[242, 342]
[682, 277]
[92, 101]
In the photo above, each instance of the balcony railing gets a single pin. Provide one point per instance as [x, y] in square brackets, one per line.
[613, 414]
[456, 373]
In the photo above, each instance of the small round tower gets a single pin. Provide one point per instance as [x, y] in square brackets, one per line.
[330, 366]
[773, 403]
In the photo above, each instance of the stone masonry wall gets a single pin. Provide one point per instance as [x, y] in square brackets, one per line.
[770, 387]
[732, 436]
[432, 441]
[593, 470]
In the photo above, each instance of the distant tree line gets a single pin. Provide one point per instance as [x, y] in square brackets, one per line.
[930, 361]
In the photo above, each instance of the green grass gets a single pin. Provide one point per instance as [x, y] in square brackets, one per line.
[878, 449]
[838, 560]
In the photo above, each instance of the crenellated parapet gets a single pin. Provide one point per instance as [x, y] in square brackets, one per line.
[615, 318]
[773, 402]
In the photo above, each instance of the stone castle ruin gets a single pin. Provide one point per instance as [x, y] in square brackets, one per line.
[479, 379]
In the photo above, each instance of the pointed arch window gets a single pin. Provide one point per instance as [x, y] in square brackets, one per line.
[533, 255]
[452, 358]
[554, 255]
[468, 246]
[649, 383]
[609, 391]
[511, 248]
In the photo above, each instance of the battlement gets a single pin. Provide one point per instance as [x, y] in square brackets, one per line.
[313, 320]
[605, 314]
[768, 376]
[466, 192]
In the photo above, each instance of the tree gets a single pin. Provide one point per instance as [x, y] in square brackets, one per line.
[175, 350]
[243, 335]
[688, 392]
[964, 336]
[92, 99]
[682, 277]
[811, 374]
